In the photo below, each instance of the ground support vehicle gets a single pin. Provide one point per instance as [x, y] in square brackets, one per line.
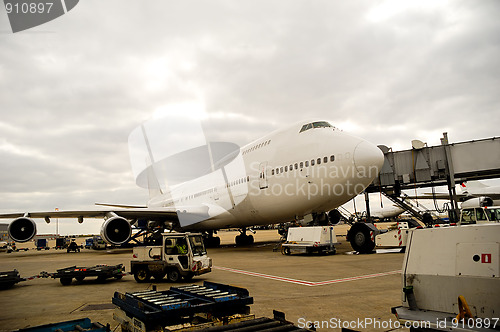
[98, 243]
[83, 324]
[41, 244]
[320, 239]
[61, 243]
[450, 274]
[102, 272]
[73, 247]
[178, 255]
[192, 308]
[9, 279]
[88, 243]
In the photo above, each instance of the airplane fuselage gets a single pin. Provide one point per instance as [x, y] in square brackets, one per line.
[281, 177]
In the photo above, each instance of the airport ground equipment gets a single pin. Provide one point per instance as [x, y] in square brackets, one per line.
[73, 247]
[102, 272]
[9, 279]
[98, 243]
[88, 243]
[452, 272]
[62, 243]
[320, 239]
[80, 325]
[211, 307]
[41, 244]
[176, 255]
[153, 309]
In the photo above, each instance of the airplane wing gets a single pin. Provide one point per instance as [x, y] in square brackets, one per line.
[435, 196]
[116, 228]
[129, 213]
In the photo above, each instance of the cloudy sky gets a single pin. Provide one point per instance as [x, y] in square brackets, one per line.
[72, 90]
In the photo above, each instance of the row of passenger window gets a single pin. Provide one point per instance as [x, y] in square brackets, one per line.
[257, 146]
[239, 181]
[302, 164]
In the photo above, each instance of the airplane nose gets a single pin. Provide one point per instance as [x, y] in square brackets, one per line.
[368, 159]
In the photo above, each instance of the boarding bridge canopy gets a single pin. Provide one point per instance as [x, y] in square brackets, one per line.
[445, 164]
[432, 166]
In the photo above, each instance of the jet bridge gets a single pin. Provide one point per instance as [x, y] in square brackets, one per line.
[445, 164]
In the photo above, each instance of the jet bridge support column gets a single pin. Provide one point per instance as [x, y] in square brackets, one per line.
[450, 179]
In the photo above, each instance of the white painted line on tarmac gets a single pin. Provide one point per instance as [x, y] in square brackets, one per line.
[304, 282]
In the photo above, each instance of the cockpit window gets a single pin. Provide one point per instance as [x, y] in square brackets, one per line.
[319, 124]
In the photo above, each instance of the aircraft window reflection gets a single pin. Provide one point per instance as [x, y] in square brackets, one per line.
[332, 158]
[296, 166]
[312, 162]
[318, 161]
[286, 168]
[325, 160]
[301, 164]
[307, 163]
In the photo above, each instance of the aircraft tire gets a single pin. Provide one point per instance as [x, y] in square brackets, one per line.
[142, 274]
[359, 236]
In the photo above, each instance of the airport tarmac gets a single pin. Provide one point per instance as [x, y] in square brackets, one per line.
[357, 289]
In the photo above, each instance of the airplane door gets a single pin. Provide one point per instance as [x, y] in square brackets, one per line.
[263, 175]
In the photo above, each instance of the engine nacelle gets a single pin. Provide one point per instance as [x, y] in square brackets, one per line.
[116, 230]
[22, 229]
[477, 202]
[334, 217]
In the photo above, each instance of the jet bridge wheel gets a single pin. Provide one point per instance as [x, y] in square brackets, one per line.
[360, 238]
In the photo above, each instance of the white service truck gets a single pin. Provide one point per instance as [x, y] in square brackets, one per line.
[180, 255]
[451, 279]
[320, 239]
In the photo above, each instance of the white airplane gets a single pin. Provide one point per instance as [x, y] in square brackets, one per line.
[471, 194]
[307, 168]
[386, 212]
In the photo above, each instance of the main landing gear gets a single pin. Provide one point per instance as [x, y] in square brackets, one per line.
[243, 239]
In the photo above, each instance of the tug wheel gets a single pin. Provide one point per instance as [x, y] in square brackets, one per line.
[65, 281]
[142, 275]
[173, 275]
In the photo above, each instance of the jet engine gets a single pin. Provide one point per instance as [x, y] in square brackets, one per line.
[477, 202]
[116, 230]
[334, 217]
[22, 229]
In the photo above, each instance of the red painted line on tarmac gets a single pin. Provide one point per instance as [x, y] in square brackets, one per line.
[303, 282]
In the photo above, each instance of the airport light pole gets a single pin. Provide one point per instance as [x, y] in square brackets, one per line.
[57, 224]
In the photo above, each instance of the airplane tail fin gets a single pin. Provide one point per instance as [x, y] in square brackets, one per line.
[467, 186]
